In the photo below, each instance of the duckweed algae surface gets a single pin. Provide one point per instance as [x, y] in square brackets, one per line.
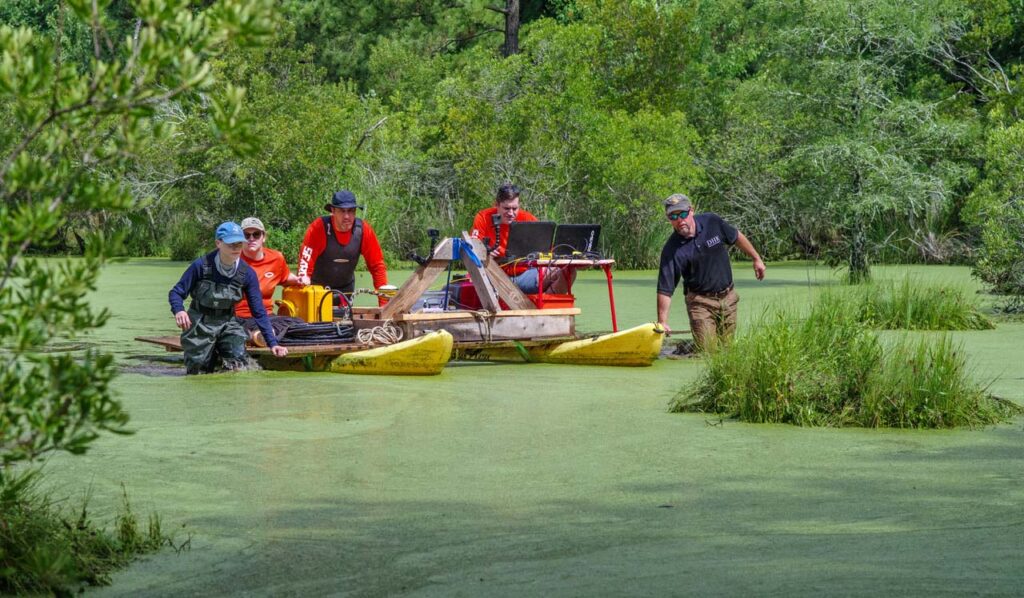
[496, 480]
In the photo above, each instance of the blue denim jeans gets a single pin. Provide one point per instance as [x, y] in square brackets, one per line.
[528, 282]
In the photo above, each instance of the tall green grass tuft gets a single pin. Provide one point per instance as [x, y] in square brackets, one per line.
[46, 548]
[831, 370]
[912, 305]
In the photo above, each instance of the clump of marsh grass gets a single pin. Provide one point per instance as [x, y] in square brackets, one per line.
[45, 548]
[831, 370]
[912, 305]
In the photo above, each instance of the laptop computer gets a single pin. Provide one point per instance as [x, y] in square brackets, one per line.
[571, 239]
[526, 239]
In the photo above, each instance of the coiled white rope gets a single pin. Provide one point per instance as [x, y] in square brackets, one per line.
[385, 334]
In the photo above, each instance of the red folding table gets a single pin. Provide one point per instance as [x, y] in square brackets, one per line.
[573, 264]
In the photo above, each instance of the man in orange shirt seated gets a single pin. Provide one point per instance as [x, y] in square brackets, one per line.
[333, 244]
[506, 203]
[270, 266]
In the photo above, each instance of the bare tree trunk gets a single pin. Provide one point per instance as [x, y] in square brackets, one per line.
[860, 270]
[511, 28]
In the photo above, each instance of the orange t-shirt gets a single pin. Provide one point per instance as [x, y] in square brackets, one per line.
[271, 271]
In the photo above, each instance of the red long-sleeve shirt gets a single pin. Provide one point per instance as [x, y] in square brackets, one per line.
[483, 227]
[315, 242]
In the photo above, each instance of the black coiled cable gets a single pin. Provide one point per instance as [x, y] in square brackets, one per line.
[318, 334]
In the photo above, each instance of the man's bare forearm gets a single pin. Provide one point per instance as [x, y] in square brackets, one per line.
[664, 305]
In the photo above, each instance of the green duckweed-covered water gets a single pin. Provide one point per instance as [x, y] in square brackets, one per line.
[515, 480]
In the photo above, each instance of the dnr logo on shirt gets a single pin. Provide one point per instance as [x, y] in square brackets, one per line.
[713, 241]
[268, 275]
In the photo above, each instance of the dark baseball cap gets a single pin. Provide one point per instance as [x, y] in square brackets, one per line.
[342, 199]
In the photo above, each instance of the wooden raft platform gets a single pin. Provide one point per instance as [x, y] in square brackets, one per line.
[173, 343]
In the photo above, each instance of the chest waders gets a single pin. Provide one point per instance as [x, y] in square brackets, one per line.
[216, 336]
[336, 266]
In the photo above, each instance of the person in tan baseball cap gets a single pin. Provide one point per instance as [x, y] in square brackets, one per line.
[269, 264]
[698, 252]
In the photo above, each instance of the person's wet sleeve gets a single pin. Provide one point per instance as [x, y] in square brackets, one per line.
[176, 297]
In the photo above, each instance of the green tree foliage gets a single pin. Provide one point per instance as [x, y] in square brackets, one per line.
[344, 34]
[541, 119]
[849, 131]
[841, 145]
[996, 210]
[69, 137]
[307, 129]
[980, 50]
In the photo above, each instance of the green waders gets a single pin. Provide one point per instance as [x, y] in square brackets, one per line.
[216, 337]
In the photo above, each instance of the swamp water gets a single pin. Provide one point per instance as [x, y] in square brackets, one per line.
[543, 479]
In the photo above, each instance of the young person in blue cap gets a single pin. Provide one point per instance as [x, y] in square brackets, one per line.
[211, 335]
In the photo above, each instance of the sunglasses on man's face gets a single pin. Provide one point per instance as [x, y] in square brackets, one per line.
[256, 234]
[679, 215]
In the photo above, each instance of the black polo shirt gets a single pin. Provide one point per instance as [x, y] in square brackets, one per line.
[703, 261]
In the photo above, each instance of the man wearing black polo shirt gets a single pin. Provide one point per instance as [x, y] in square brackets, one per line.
[698, 251]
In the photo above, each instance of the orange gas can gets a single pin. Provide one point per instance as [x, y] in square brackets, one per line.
[311, 303]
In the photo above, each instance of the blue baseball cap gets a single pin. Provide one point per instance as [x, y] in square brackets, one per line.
[230, 232]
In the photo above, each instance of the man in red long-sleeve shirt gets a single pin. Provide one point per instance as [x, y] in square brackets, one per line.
[333, 244]
[506, 204]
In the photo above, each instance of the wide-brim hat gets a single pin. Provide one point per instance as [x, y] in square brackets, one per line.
[342, 199]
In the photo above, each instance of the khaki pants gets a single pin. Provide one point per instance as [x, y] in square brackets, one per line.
[711, 318]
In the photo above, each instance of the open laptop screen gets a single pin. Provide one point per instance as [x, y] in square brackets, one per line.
[526, 238]
[572, 238]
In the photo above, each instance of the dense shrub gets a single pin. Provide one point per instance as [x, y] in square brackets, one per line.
[832, 370]
[47, 548]
[912, 305]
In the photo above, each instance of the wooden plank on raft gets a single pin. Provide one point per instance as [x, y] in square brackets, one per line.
[445, 250]
[491, 328]
[171, 343]
[413, 288]
[504, 288]
[507, 290]
[484, 289]
[303, 350]
[513, 343]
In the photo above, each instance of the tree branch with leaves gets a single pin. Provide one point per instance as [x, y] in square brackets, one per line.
[71, 134]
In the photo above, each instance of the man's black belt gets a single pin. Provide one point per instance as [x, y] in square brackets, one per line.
[717, 294]
[207, 311]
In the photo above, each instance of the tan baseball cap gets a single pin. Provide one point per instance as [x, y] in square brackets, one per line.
[677, 202]
[253, 223]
